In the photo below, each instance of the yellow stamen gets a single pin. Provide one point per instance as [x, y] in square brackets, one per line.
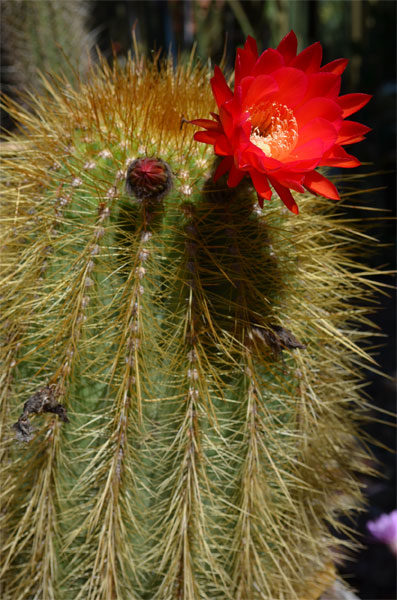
[274, 129]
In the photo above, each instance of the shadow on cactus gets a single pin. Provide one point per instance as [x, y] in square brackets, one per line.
[188, 362]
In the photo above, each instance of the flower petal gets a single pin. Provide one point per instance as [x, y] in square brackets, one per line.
[245, 60]
[259, 87]
[319, 129]
[255, 156]
[226, 119]
[223, 167]
[234, 107]
[235, 176]
[336, 66]
[222, 146]
[285, 196]
[220, 89]
[207, 123]
[384, 529]
[261, 184]
[288, 47]
[338, 157]
[317, 183]
[310, 151]
[260, 200]
[285, 179]
[323, 84]
[270, 60]
[309, 60]
[233, 117]
[292, 86]
[208, 137]
[351, 103]
[317, 107]
[241, 138]
[245, 84]
[351, 132]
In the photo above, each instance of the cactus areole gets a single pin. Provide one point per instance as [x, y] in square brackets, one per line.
[180, 398]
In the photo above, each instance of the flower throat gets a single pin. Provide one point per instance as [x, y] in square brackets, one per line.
[274, 129]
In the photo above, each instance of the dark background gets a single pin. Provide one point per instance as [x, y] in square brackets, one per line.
[361, 30]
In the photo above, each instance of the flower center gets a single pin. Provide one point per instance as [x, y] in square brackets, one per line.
[274, 129]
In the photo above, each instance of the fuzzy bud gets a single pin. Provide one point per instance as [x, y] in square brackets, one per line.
[148, 178]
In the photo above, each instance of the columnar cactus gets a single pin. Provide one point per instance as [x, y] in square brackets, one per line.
[31, 34]
[180, 396]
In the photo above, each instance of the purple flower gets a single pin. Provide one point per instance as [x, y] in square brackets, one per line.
[384, 530]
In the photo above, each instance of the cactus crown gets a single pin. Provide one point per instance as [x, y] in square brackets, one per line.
[203, 351]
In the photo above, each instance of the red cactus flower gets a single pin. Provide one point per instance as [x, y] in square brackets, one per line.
[284, 119]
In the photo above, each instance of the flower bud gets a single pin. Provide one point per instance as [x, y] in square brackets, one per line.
[148, 178]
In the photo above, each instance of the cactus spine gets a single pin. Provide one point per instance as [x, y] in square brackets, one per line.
[31, 34]
[203, 351]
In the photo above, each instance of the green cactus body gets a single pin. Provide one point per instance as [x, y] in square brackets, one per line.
[205, 351]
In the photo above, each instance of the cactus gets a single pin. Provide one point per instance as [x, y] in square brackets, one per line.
[181, 388]
[32, 34]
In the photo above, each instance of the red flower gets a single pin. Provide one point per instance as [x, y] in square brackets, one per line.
[284, 119]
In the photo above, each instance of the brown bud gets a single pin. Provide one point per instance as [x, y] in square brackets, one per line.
[148, 178]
